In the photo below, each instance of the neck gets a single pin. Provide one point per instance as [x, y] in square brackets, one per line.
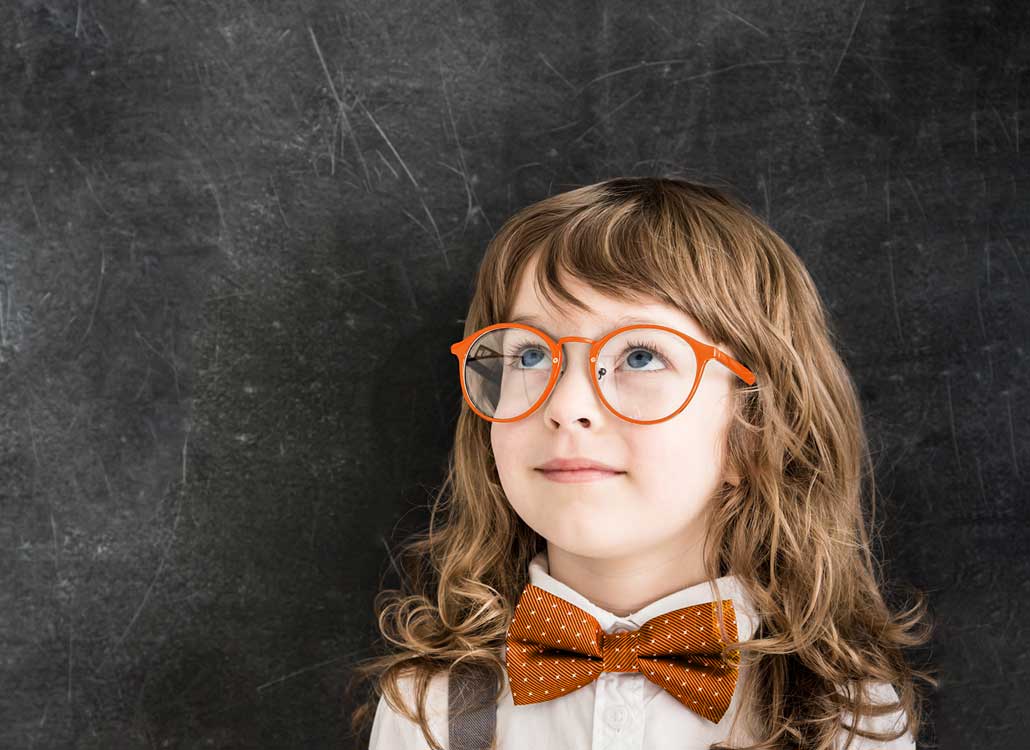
[624, 584]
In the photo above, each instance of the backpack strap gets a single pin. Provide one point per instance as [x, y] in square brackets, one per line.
[471, 712]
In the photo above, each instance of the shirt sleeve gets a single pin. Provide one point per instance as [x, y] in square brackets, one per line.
[392, 730]
[882, 693]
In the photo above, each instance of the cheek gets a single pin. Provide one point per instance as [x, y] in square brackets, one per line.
[674, 465]
[509, 449]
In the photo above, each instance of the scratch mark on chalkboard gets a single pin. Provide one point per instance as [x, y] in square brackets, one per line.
[742, 20]
[705, 74]
[980, 485]
[96, 296]
[222, 233]
[341, 107]
[363, 294]
[390, 144]
[606, 116]
[85, 174]
[302, 670]
[472, 203]
[393, 562]
[470, 209]
[875, 72]
[627, 69]
[354, 139]
[175, 373]
[278, 202]
[5, 297]
[32, 438]
[987, 261]
[185, 449]
[70, 663]
[554, 70]
[436, 232]
[57, 547]
[387, 163]
[979, 312]
[103, 470]
[1012, 433]
[150, 588]
[951, 415]
[765, 180]
[919, 203]
[341, 126]
[146, 378]
[662, 27]
[35, 213]
[915, 195]
[894, 295]
[421, 226]
[314, 525]
[887, 192]
[406, 281]
[976, 143]
[1015, 121]
[848, 43]
[1015, 257]
[1001, 122]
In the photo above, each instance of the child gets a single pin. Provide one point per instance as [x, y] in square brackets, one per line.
[721, 514]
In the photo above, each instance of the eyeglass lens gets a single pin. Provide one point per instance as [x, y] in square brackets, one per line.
[644, 373]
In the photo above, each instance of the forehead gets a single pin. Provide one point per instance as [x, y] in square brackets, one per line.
[603, 314]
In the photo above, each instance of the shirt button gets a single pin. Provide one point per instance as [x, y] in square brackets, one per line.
[615, 716]
[621, 628]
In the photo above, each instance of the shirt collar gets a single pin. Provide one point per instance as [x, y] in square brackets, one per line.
[729, 587]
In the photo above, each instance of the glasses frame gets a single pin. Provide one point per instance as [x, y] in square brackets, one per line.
[703, 353]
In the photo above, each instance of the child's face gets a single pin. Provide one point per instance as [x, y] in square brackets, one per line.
[671, 468]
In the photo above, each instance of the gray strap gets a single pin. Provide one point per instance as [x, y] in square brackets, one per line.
[471, 710]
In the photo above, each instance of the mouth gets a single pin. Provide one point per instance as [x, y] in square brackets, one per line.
[579, 475]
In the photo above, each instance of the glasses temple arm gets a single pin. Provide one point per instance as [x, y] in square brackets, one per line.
[738, 369]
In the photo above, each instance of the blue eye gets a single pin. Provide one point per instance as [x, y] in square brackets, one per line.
[527, 355]
[643, 354]
[639, 358]
[531, 357]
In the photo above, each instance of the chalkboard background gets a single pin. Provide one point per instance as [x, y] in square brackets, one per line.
[237, 239]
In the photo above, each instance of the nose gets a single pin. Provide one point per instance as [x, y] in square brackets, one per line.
[576, 361]
[579, 396]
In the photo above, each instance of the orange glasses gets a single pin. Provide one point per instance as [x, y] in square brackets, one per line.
[644, 373]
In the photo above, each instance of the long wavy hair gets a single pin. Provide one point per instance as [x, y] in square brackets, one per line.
[796, 528]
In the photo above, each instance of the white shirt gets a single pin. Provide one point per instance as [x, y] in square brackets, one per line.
[617, 711]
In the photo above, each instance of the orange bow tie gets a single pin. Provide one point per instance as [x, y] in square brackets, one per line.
[554, 648]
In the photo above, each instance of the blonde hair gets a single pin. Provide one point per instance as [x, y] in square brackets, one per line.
[793, 529]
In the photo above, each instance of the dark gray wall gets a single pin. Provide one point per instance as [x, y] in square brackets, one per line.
[237, 238]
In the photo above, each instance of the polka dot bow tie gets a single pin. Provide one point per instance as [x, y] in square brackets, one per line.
[554, 648]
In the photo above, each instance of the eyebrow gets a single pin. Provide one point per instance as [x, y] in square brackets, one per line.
[625, 320]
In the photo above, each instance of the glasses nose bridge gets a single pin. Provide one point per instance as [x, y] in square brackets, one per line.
[578, 339]
[566, 339]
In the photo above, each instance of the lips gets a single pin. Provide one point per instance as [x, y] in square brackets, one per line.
[580, 475]
[578, 464]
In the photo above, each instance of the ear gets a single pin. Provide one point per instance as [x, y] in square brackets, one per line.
[732, 479]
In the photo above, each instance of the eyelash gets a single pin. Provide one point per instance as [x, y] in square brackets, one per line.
[630, 345]
[652, 349]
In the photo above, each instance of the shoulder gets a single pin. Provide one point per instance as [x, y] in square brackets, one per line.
[879, 693]
[392, 730]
